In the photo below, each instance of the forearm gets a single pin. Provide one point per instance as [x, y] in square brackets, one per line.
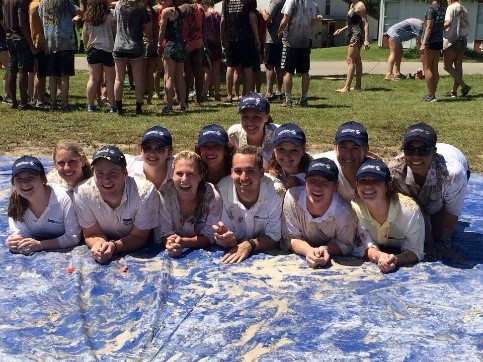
[443, 224]
[129, 243]
[300, 247]
[199, 241]
[92, 240]
[49, 244]
[334, 249]
[263, 243]
[254, 26]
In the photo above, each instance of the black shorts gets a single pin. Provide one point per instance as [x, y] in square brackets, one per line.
[240, 53]
[60, 63]
[459, 45]
[150, 51]
[256, 61]
[21, 57]
[41, 64]
[123, 55]
[273, 54]
[435, 46]
[295, 60]
[99, 56]
[216, 52]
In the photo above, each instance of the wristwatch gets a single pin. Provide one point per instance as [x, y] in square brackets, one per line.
[253, 244]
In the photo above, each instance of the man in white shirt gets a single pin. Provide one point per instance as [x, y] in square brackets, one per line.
[116, 211]
[252, 207]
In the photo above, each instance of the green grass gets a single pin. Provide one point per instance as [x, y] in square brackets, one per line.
[386, 109]
[376, 54]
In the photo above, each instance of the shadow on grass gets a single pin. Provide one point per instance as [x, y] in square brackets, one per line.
[378, 89]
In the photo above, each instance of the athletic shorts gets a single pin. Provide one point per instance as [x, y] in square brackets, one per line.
[295, 60]
[60, 63]
[216, 52]
[150, 51]
[41, 64]
[458, 46]
[435, 45]
[175, 51]
[131, 56]
[21, 57]
[240, 53]
[256, 61]
[99, 56]
[273, 54]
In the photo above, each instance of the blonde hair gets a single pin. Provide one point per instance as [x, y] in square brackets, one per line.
[75, 148]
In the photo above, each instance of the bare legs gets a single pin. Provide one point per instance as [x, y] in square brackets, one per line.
[354, 67]
[453, 64]
[431, 73]
[394, 60]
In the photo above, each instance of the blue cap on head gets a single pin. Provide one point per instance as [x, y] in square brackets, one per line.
[324, 167]
[213, 133]
[420, 132]
[159, 134]
[28, 164]
[110, 153]
[289, 132]
[376, 169]
[352, 131]
[254, 101]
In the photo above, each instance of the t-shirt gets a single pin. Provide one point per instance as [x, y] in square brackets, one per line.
[445, 184]
[237, 19]
[263, 218]
[435, 13]
[338, 225]
[211, 27]
[58, 220]
[460, 25]
[56, 17]
[193, 28]
[130, 17]
[36, 30]
[275, 11]
[301, 13]
[138, 208]
[12, 9]
[403, 228]
[100, 36]
[172, 222]
[406, 29]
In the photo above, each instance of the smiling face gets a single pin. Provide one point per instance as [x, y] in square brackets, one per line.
[154, 155]
[110, 179]
[350, 155]
[186, 178]
[288, 156]
[247, 176]
[213, 155]
[319, 190]
[28, 185]
[69, 166]
[417, 161]
[253, 122]
[371, 190]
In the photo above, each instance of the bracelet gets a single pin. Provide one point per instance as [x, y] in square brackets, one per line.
[253, 244]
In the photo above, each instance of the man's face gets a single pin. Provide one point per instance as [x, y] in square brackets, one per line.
[418, 157]
[350, 155]
[246, 175]
[110, 179]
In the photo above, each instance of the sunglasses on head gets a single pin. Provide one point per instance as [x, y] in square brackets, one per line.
[421, 151]
[157, 149]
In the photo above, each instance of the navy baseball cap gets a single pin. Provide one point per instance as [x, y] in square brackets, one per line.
[159, 134]
[324, 167]
[110, 153]
[376, 169]
[213, 133]
[28, 164]
[254, 101]
[420, 132]
[289, 132]
[352, 131]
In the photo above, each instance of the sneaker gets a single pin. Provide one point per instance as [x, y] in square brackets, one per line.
[228, 101]
[14, 105]
[113, 110]
[388, 76]
[450, 95]
[429, 98]
[92, 109]
[399, 77]
[287, 104]
[303, 102]
[167, 110]
[66, 108]
[180, 108]
[54, 107]
[25, 107]
[280, 95]
[7, 100]
[40, 104]
[465, 90]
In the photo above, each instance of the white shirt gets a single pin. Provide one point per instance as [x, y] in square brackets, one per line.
[139, 207]
[445, 184]
[301, 14]
[170, 219]
[135, 167]
[238, 137]
[404, 227]
[58, 220]
[338, 225]
[460, 26]
[263, 218]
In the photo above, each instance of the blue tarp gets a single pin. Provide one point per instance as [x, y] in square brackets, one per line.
[268, 308]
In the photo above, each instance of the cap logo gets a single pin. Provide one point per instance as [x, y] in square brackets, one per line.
[158, 133]
[420, 130]
[350, 130]
[372, 167]
[23, 163]
[319, 164]
[292, 132]
[218, 133]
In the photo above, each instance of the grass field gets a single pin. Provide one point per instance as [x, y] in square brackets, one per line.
[386, 109]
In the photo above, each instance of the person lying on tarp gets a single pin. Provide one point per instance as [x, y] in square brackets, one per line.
[436, 176]
[252, 207]
[116, 211]
[41, 216]
[317, 222]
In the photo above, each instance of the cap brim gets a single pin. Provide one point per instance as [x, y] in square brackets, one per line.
[288, 139]
[357, 141]
[328, 177]
[28, 170]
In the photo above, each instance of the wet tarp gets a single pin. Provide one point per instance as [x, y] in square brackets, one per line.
[268, 308]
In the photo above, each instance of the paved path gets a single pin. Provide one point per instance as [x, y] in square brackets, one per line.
[340, 68]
